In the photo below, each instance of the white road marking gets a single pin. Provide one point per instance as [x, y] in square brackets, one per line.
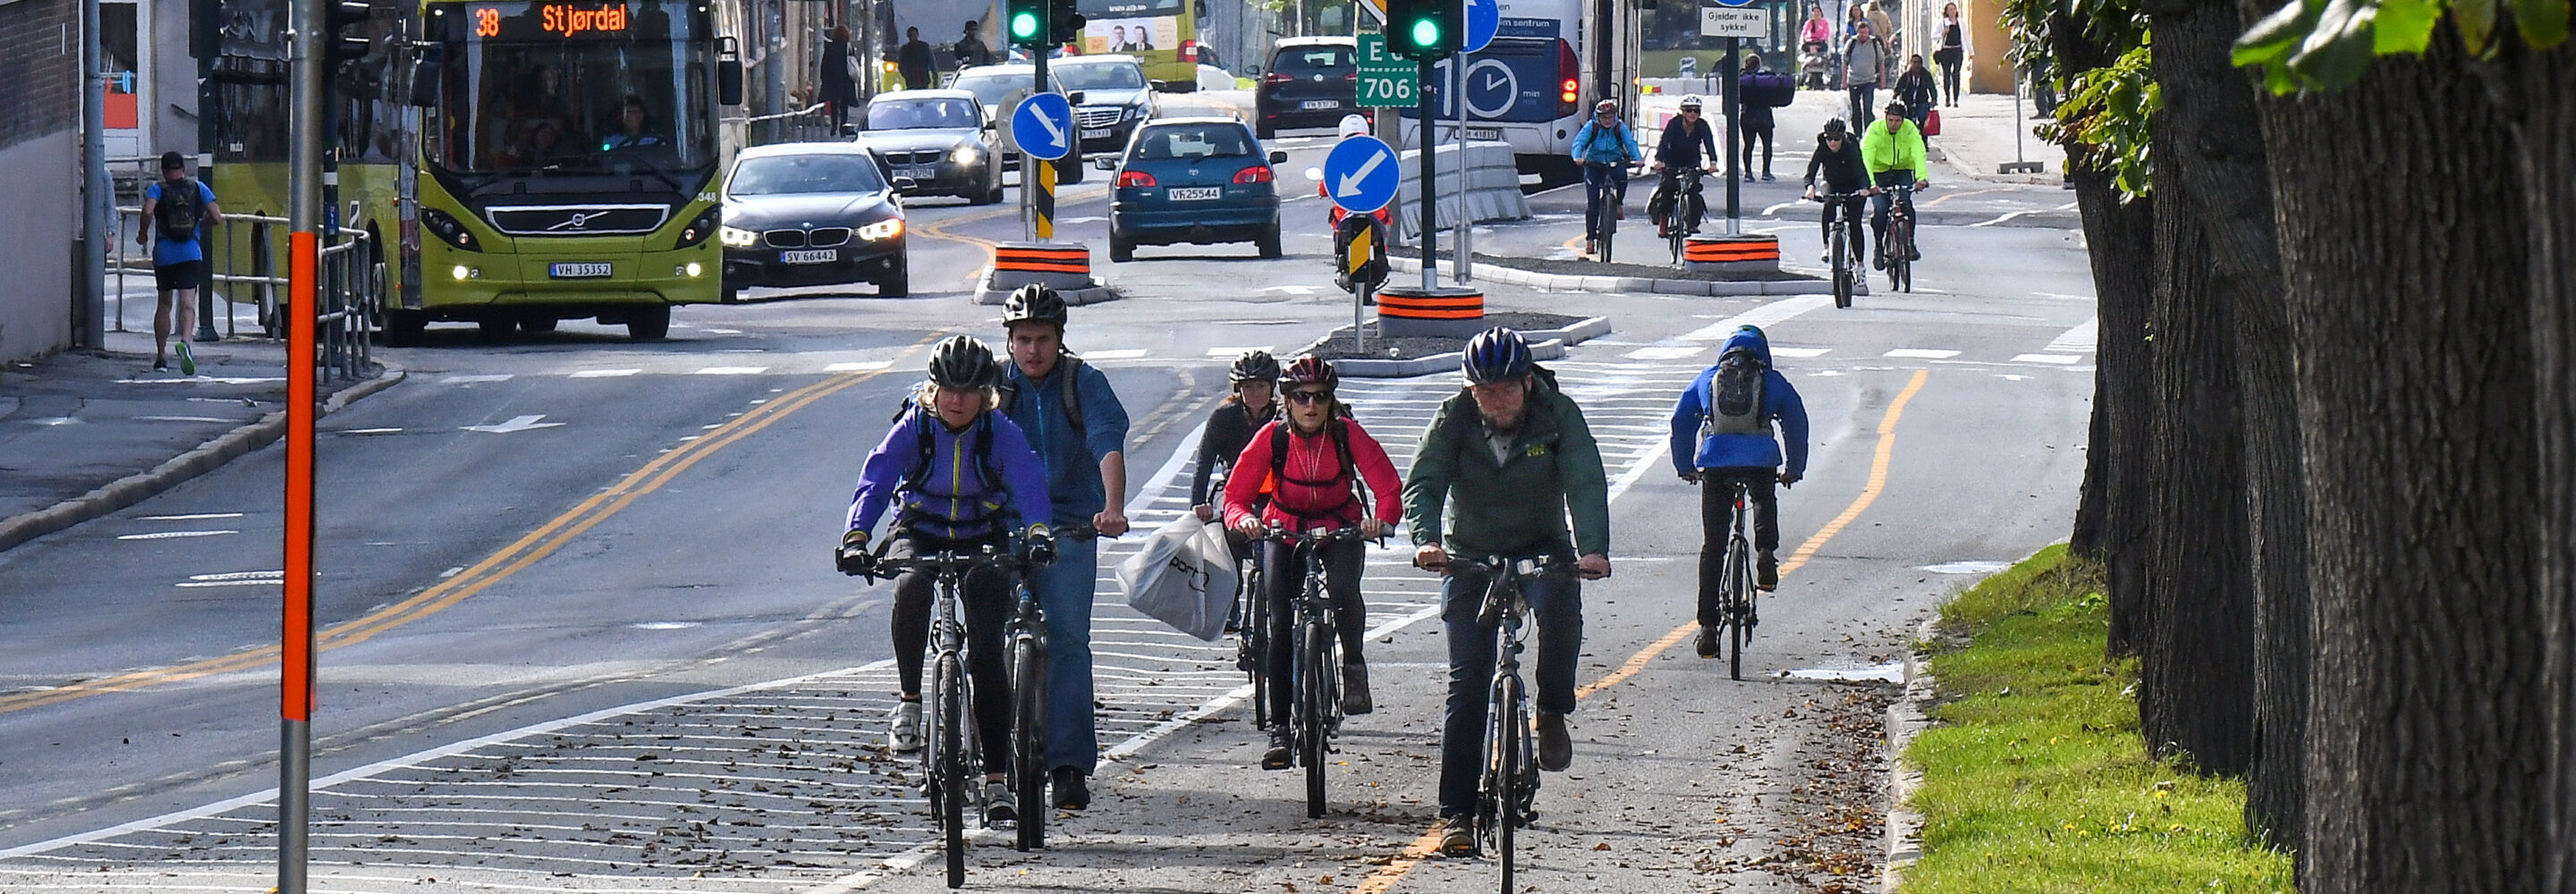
[1921, 353]
[473, 379]
[1666, 353]
[1801, 353]
[861, 366]
[180, 419]
[1230, 353]
[604, 373]
[1114, 354]
[166, 535]
[515, 425]
[732, 371]
[196, 517]
[2006, 217]
[2046, 358]
[2083, 339]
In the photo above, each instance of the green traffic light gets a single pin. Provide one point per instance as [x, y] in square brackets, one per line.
[1024, 26]
[1426, 33]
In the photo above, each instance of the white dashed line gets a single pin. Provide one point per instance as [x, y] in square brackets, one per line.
[1666, 353]
[604, 373]
[469, 380]
[861, 366]
[1115, 354]
[732, 371]
[2046, 358]
[167, 535]
[1800, 353]
[1921, 353]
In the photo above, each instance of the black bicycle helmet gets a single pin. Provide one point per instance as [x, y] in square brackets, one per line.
[1254, 366]
[1835, 127]
[1496, 355]
[1309, 370]
[963, 362]
[1033, 304]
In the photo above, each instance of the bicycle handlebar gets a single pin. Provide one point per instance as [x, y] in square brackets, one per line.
[945, 561]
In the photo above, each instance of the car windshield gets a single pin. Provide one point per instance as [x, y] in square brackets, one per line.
[775, 175]
[1194, 142]
[1102, 76]
[907, 114]
[990, 88]
[1310, 60]
[516, 97]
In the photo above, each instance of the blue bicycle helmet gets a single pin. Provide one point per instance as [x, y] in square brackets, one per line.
[1496, 355]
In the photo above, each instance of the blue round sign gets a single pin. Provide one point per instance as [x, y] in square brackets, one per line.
[1361, 174]
[1043, 126]
[1484, 19]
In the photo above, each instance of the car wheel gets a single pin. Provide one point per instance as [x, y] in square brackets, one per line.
[1121, 250]
[1268, 242]
[649, 322]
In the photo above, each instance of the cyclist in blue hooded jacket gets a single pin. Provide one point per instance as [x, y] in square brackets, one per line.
[960, 477]
[1723, 431]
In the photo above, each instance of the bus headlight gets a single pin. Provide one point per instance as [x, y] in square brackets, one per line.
[698, 230]
[449, 229]
[882, 230]
[465, 272]
[737, 237]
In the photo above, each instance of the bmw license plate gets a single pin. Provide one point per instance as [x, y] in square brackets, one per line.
[918, 174]
[1192, 193]
[582, 270]
[809, 256]
[1313, 104]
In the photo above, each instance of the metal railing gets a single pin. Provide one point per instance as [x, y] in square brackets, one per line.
[245, 264]
[810, 123]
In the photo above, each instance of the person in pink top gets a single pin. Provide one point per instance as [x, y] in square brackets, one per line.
[1818, 31]
[1321, 472]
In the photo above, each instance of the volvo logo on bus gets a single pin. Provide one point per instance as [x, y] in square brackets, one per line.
[575, 222]
[580, 220]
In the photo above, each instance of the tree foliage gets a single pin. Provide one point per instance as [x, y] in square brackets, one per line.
[2106, 112]
[2324, 44]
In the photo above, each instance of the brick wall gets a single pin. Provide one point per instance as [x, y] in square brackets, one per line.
[41, 65]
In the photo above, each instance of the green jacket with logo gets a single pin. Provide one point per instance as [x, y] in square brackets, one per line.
[1515, 506]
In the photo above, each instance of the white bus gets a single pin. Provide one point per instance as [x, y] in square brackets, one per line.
[1536, 83]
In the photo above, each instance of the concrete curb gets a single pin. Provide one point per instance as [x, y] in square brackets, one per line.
[1905, 719]
[1545, 344]
[1559, 282]
[209, 456]
[986, 294]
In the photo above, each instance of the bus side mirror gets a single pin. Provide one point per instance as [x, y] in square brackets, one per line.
[424, 81]
[728, 72]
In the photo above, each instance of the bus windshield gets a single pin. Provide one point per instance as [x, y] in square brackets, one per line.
[573, 88]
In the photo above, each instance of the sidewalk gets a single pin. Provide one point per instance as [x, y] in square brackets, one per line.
[1977, 140]
[86, 433]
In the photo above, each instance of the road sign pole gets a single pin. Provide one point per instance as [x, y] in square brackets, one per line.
[306, 20]
[1460, 273]
[1045, 199]
[1430, 185]
[1738, 140]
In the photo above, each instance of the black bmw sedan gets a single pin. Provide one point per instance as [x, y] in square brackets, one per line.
[810, 214]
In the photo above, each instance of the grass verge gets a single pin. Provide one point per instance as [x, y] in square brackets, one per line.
[2035, 777]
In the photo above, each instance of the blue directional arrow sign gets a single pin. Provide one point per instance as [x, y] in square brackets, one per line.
[1361, 174]
[1484, 18]
[1043, 126]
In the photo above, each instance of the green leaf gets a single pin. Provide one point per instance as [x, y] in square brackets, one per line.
[2477, 21]
[2336, 53]
[2272, 39]
[2404, 26]
[2543, 22]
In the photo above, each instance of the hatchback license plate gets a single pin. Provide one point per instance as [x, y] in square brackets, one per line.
[585, 270]
[1321, 104]
[809, 256]
[1192, 193]
[918, 174]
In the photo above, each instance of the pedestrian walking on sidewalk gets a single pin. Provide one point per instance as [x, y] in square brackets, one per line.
[839, 85]
[1757, 93]
[1866, 67]
[971, 49]
[912, 60]
[177, 209]
[1880, 23]
[1953, 53]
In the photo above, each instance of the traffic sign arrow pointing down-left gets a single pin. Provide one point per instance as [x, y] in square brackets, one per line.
[1351, 181]
[516, 423]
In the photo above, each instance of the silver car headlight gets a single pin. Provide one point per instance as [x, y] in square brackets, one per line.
[737, 237]
[965, 155]
[882, 230]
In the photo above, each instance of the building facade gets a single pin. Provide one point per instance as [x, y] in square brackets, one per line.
[40, 52]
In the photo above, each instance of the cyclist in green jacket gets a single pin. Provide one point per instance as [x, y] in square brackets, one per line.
[1512, 458]
[1893, 150]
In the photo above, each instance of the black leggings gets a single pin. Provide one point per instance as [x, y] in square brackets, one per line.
[1717, 526]
[1854, 209]
[1757, 133]
[1283, 573]
[987, 603]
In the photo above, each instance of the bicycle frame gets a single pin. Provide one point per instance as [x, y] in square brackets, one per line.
[1688, 207]
[1509, 784]
[953, 760]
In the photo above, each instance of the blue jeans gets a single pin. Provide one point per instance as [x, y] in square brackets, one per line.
[1605, 187]
[1065, 590]
[1863, 97]
[1557, 607]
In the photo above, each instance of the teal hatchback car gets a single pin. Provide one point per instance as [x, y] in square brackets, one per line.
[1197, 181]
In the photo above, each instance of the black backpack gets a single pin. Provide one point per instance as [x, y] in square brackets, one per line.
[178, 212]
[987, 475]
[1339, 427]
[1736, 396]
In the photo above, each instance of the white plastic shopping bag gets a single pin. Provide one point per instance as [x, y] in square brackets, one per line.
[1176, 580]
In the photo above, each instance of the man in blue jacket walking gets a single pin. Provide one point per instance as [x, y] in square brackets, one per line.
[1723, 433]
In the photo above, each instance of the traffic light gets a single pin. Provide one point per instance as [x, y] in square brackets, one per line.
[1423, 29]
[1025, 25]
[1067, 22]
[344, 41]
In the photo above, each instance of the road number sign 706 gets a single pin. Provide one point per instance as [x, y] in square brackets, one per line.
[1387, 91]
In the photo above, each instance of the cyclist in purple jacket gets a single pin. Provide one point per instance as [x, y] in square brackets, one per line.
[960, 476]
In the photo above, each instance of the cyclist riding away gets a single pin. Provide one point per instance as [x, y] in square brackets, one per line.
[1893, 149]
[1605, 148]
[1312, 466]
[961, 477]
[1686, 142]
[1723, 433]
[1079, 430]
[1511, 457]
[1837, 166]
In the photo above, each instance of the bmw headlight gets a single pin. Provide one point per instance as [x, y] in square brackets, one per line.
[965, 155]
[737, 237]
[882, 230]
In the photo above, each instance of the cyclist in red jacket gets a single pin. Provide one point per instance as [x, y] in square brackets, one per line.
[1322, 472]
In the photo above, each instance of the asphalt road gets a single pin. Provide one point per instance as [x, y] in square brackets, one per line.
[603, 649]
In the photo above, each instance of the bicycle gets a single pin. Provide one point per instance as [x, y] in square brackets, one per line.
[1027, 637]
[1604, 216]
[1507, 788]
[956, 767]
[1899, 250]
[1317, 671]
[1682, 218]
[1840, 234]
[1736, 609]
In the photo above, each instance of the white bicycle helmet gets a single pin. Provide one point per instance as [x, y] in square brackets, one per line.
[1691, 101]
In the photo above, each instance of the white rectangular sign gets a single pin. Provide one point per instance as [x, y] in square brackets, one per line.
[1731, 21]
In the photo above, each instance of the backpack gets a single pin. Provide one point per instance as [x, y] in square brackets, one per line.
[1735, 396]
[1350, 470]
[178, 211]
[1618, 131]
[1068, 380]
[1770, 88]
[987, 476]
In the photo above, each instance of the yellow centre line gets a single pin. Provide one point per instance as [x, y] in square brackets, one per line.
[492, 569]
[1423, 847]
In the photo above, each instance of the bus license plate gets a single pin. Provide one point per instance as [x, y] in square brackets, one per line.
[1484, 133]
[1321, 104]
[584, 270]
[1192, 193]
[810, 256]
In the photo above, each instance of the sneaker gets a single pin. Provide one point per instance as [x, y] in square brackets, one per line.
[1878, 262]
[1456, 840]
[1555, 747]
[1282, 744]
[998, 805]
[1766, 571]
[1355, 688]
[1071, 792]
[1914, 254]
[1766, 175]
[1825, 257]
[904, 735]
[1707, 642]
[187, 358]
[160, 365]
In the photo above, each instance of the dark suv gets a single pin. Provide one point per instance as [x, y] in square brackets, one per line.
[1311, 82]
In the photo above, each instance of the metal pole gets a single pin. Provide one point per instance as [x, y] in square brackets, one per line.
[1430, 185]
[206, 283]
[1460, 272]
[97, 210]
[1736, 139]
[305, 20]
[1030, 175]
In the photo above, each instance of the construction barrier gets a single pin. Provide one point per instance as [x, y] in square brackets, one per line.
[1732, 254]
[1048, 257]
[1410, 311]
[1493, 186]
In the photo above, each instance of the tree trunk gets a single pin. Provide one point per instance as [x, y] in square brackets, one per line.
[2122, 237]
[2403, 242]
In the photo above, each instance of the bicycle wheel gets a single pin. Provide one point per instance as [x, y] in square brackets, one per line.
[948, 774]
[1900, 263]
[1509, 754]
[1315, 698]
[1840, 252]
[1253, 647]
[1739, 579]
[1028, 742]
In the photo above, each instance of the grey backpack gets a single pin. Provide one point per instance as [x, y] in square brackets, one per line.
[1735, 396]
